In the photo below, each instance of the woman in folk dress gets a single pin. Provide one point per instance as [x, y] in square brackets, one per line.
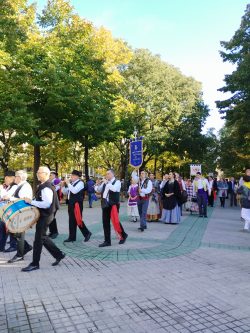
[133, 193]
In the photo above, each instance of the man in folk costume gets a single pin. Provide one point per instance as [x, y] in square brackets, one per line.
[145, 188]
[46, 201]
[75, 207]
[110, 189]
[200, 185]
[24, 190]
[6, 191]
[153, 213]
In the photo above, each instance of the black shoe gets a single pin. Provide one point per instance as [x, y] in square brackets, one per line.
[145, 228]
[141, 229]
[87, 238]
[28, 250]
[58, 260]
[10, 249]
[53, 236]
[205, 216]
[200, 215]
[68, 240]
[104, 244]
[122, 241]
[30, 268]
[15, 259]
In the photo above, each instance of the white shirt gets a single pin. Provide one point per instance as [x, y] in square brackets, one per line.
[9, 191]
[210, 186]
[25, 191]
[109, 187]
[47, 199]
[75, 189]
[147, 190]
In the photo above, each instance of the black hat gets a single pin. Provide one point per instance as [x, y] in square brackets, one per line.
[9, 173]
[76, 173]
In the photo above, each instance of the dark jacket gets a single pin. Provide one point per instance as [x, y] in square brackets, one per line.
[169, 203]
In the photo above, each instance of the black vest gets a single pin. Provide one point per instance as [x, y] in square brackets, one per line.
[113, 197]
[46, 212]
[77, 197]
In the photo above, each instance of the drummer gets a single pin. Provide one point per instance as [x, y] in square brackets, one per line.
[7, 190]
[45, 201]
[24, 190]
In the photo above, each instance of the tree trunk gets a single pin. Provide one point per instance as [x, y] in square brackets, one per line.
[36, 164]
[155, 164]
[57, 167]
[162, 168]
[86, 157]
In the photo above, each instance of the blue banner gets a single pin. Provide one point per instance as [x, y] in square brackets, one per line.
[136, 153]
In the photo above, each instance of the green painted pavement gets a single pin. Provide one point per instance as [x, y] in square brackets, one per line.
[226, 247]
[184, 239]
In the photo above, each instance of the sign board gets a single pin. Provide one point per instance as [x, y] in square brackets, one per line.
[194, 168]
[136, 153]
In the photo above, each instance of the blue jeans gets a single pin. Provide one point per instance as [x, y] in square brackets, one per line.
[91, 198]
[143, 208]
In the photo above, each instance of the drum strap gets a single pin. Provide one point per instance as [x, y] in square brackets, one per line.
[16, 194]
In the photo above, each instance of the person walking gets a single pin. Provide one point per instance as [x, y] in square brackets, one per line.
[110, 188]
[153, 212]
[90, 188]
[133, 193]
[75, 207]
[24, 190]
[55, 181]
[232, 192]
[222, 191]
[171, 196]
[46, 201]
[145, 188]
[210, 191]
[244, 191]
[200, 188]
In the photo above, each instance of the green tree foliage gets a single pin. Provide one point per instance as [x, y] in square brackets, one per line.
[236, 108]
[164, 105]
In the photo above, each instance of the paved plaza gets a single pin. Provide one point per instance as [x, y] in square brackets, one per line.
[193, 277]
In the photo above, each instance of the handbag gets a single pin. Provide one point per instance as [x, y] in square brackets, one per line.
[184, 197]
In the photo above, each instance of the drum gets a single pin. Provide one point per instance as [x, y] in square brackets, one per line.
[18, 215]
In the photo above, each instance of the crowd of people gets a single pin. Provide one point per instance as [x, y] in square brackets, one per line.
[148, 200]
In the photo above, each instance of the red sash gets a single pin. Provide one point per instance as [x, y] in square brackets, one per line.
[116, 222]
[78, 215]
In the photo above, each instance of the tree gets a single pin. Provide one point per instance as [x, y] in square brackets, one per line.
[235, 109]
[164, 105]
[16, 22]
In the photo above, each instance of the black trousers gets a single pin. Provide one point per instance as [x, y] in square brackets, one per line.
[41, 239]
[202, 203]
[233, 199]
[53, 226]
[106, 214]
[22, 245]
[211, 199]
[222, 201]
[73, 224]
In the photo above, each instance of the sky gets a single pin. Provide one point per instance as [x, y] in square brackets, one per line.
[186, 33]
